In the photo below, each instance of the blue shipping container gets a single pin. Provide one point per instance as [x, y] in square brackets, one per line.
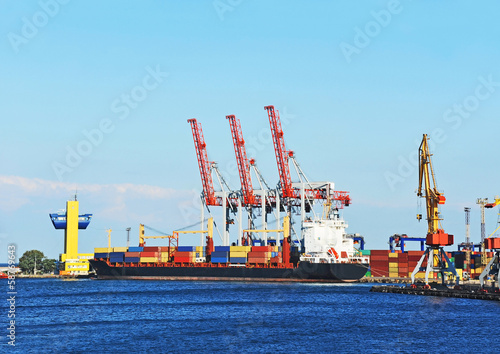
[187, 249]
[116, 260]
[116, 255]
[220, 254]
[136, 249]
[100, 255]
[238, 260]
[219, 260]
[132, 259]
[222, 248]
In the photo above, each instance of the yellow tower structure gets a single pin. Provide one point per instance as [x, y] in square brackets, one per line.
[72, 262]
[71, 231]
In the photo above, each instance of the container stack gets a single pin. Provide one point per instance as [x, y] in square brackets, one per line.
[117, 257]
[220, 254]
[185, 254]
[393, 265]
[379, 263]
[239, 254]
[413, 258]
[260, 254]
[102, 253]
[150, 255]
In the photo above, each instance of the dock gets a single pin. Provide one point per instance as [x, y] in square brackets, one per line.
[468, 292]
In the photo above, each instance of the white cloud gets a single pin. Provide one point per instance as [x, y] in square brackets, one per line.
[16, 191]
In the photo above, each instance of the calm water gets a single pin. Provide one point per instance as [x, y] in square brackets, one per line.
[164, 316]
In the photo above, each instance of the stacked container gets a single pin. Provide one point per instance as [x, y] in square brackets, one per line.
[260, 254]
[239, 254]
[220, 254]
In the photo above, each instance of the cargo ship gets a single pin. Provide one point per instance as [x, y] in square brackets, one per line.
[322, 251]
[328, 255]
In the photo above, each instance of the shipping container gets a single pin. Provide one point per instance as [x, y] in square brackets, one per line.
[262, 248]
[237, 254]
[222, 248]
[152, 249]
[238, 259]
[102, 250]
[136, 249]
[120, 249]
[132, 254]
[186, 249]
[149, 254]
[101, 255]
[149, 260]
[219, 259]
[132, 259]
[240, 249]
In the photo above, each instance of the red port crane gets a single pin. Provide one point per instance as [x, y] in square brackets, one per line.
[281, 153]
[204, 164]
[249, 198]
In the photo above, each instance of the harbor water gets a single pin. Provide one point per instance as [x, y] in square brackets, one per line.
[77, 316]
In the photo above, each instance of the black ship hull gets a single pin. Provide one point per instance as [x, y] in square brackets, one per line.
[304, 272]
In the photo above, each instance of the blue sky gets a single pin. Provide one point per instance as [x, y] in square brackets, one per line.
[357, 83]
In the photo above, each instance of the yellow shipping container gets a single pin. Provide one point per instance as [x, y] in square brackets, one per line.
[240, 249]
[421, 275]
[200, 249]
[102, 250]
[120, 249]
[393, 264]
[149, 259]
[238, 254]
[393, 255]
[393, 275]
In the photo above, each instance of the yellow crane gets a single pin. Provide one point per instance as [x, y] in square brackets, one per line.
[142, 237]
[432, 196]
[436, 237]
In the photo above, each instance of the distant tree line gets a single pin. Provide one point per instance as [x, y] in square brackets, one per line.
[33, 258]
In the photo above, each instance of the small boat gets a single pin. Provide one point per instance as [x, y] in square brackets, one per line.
[59, 220]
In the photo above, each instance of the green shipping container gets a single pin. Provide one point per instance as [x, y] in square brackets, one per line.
[365, 252]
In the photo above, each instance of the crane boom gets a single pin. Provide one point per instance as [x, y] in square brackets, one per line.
[433, 198]
[249, 198]
[281, 153]
[204, 164]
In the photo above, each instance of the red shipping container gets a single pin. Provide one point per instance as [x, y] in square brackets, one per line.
[257, 260]
[402, 255]
[492, 243]
[183, 259]
[151, 249]
[183, 254]
[415, 253]
[275, 260]
[149, 254]
[262, 248]
[379, 258]
[132, 254]
[258, 254]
